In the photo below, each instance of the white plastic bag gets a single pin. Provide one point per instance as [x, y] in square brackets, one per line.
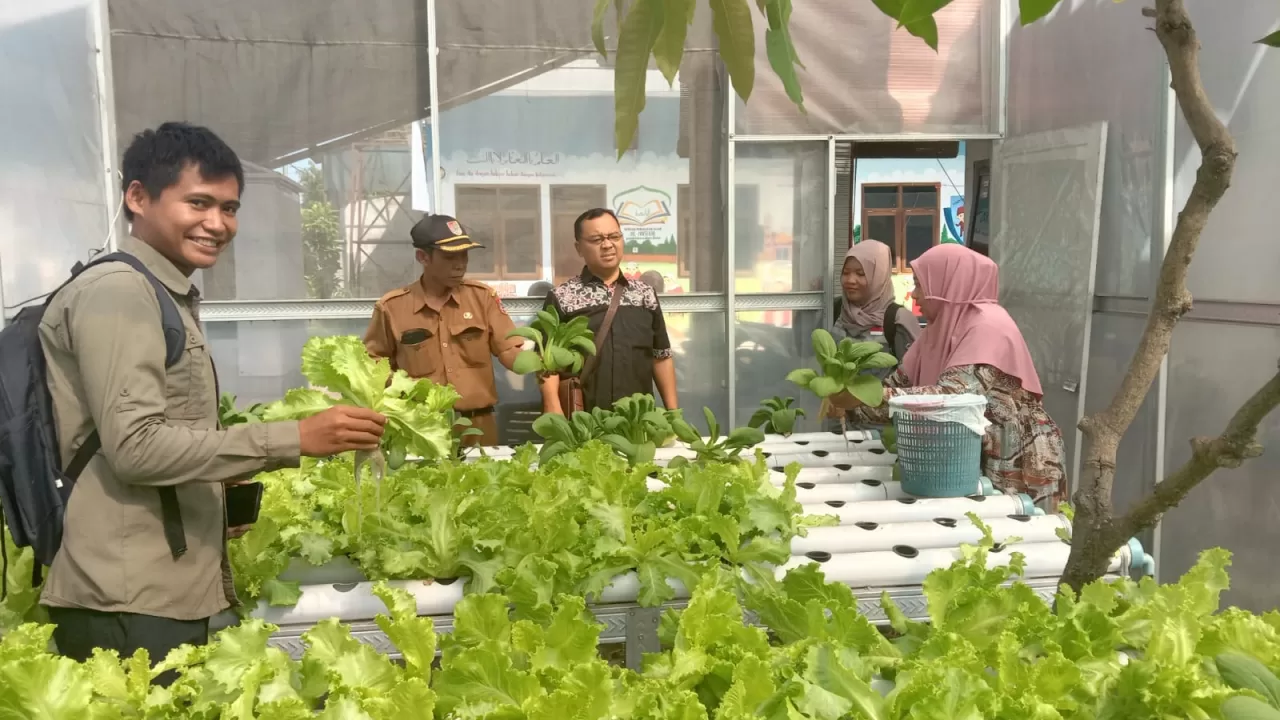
[968, 410]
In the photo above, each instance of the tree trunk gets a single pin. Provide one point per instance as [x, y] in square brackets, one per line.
[1096, 535]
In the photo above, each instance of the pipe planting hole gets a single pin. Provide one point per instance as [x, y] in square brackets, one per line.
[821, 453]
[907, 501]
[801, 442]
[866, 525]
[835, 503]
[1020, 518]
[978, 498]
[843, 467]
[818, 555]
[878, 451]
[945, 522]
[871, 483]
[906, 551]
[998, 547]
[344, 587]
[806, 485]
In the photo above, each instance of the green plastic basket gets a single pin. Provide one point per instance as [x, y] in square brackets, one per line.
[938, 458]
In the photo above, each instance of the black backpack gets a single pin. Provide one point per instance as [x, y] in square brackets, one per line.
[34, 487]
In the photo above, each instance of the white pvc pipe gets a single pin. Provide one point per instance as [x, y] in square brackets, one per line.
[942, 533]
[842, 474]
[915, 510]
[894, 568]
[357, 602]
[831, 458]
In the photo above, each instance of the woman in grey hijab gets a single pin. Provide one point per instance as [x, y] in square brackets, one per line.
[867, 287]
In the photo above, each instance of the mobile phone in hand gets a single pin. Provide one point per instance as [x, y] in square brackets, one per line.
[243, 503]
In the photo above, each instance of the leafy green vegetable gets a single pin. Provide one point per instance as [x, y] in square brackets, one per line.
[776, 416]
[714, 449]
[844, 367]
[228, 415]
[419, 413]
[634, 429]
[560, 346]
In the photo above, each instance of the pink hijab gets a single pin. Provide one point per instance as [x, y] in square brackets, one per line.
[971, 328]
[875, 258]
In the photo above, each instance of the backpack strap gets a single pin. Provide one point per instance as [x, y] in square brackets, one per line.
[175, 334]
[890, 323]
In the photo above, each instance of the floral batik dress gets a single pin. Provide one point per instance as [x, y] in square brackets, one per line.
[1022, 450]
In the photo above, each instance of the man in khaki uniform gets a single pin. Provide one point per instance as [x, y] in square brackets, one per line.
[447, 328]
[143, 561]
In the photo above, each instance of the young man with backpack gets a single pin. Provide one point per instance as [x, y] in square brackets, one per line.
[141, 461]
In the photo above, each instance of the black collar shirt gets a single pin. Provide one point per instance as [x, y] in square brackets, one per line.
[638, 337]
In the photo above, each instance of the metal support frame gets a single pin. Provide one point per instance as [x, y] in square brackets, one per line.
[107, 121]
[731, 245]
[828, 278]
[1161, 234]
[864, 137]
[362, 309]
[433, 62]
[637, 626]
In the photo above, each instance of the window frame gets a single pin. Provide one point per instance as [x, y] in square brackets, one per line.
[571, 216]
[900, 215]
[499, 218]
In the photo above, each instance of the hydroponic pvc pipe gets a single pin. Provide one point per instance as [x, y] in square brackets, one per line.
[915, 510]
[357, 602]
[839, 473]
[829, 458]
[939, 533]
[812, 493]
[906, 565]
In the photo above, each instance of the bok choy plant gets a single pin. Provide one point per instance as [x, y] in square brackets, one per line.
[559, 346]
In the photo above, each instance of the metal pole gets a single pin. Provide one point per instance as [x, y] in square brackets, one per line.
[433, 78]
[828, 281]
[1002, 67]
[112, 194]
[1161, 233]
[730, 317]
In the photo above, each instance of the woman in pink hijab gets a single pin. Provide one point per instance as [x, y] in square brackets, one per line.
[971, 345]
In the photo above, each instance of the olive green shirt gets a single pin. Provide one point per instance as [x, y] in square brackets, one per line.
[105, 349]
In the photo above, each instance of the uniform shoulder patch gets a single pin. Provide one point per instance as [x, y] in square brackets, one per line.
[477, 284]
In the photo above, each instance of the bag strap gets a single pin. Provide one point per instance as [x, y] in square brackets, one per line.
[175, 334]
[890, 323]
[592, 362]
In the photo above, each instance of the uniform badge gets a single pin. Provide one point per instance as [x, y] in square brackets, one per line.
[466, 316]
[454, 227]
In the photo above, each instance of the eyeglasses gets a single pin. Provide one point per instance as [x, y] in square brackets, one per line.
[613, 239]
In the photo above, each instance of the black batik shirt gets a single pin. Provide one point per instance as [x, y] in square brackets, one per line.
[638, 336]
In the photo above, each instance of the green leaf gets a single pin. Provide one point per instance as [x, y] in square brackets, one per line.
[528, 333]
[868, 390]
[669, 49]
[802, 376]
[732, 22]
[597, 28]
[1272, 40]
[1033, 10]
[925, 29]
[782, 58]
[1243, 707]
[1241, 672]
[564, 358]
[879, 361]
[631, 65]
[823, 344]
[783, 421]
[745, 437]
[526, 362]
[823, 386]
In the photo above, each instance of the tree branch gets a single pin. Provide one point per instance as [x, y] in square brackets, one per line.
[1237, 443]
[1095, 533]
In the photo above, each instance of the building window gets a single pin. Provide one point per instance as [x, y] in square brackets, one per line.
[904, 217]
[507, 220]
[567, 203]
